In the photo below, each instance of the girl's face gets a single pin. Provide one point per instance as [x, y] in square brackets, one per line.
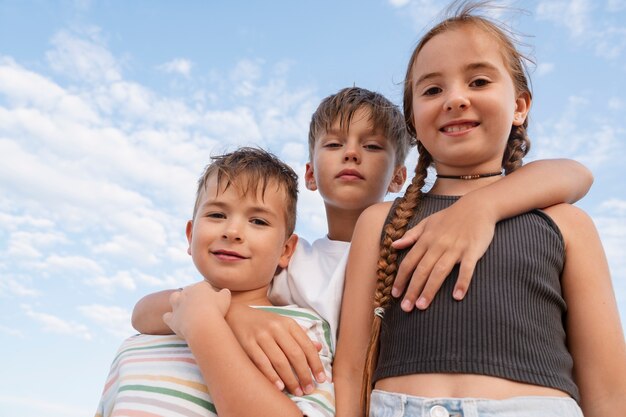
[464, 101]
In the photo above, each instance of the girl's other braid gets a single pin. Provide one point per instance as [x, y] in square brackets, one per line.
[517, 147]
[387, 265]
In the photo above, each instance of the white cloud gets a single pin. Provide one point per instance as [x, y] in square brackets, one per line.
[57, 325]
[616, 103]
[43, 407]
[114, 320]
[84, 58]
[177, 66]
[399, 3]
[12, 332]
[12, 286]
[573, 14]
[68, 265]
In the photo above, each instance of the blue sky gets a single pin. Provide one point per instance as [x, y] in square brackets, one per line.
[109, 111]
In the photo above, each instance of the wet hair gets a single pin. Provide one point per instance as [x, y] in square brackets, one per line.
[253, 170]
[460, 14]
[384, 115]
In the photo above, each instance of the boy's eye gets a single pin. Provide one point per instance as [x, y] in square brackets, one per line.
[216, 215]
[332, 145]
[479, 82]
[432, 91]
[259, 222]
[373, 147]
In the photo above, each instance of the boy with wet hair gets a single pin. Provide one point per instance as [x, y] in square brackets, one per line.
[242, 231]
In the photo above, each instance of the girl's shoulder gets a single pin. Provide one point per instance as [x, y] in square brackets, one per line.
[572, 221]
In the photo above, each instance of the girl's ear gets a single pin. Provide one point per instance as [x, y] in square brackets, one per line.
[309, 177]
[398, 179]
[522, 107]
[188, 232]
[288, 248]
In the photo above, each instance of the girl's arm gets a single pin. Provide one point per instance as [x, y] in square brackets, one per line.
[463, 232]
[357, 310]
[594, 333]
[236, 386]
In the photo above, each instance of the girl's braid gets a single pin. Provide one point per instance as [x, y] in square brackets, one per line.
[517, 147]
[387, 265]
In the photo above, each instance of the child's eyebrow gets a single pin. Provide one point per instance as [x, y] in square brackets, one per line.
[470, 67]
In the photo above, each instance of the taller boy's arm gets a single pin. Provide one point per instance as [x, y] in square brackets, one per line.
[276, 344]
[462, 233]
[236, 386]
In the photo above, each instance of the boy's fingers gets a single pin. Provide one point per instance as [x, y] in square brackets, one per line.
[437, 276]
[406, 269]
[410, 236]
[466, 273]
[281, 365]
[298, 361]
[264, 365]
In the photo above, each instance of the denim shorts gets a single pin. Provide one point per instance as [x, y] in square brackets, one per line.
[390, 404]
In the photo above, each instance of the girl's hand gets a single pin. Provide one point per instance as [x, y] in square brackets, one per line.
[279, 348]
[194, 306]
[460, 234]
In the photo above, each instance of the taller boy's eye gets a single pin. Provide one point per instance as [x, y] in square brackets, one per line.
[373, 147]
[332, 145]
[216, 215]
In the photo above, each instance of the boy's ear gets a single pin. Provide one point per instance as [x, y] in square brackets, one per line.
[309, 177]
[288, 248]
[522, 107]
[399, 176]
[188, 232]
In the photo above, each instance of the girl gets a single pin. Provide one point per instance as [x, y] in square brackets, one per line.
[538, 333]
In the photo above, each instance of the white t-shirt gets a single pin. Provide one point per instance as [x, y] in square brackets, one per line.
[314, 279]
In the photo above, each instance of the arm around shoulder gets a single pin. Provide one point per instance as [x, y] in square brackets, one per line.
[594, 332]
[148, 313]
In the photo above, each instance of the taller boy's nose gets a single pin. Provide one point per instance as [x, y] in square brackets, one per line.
[351, 154]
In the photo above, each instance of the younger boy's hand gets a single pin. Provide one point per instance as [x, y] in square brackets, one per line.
[279, 348]
[460, 234]
[194, 306]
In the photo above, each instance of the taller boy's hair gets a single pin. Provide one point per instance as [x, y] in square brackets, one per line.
[461, 14]
[384, 115]
[252, 170]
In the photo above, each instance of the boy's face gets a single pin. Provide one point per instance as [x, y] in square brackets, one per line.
[355, 169]
[237, 241]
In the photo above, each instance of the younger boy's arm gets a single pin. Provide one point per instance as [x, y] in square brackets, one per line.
[462, 233]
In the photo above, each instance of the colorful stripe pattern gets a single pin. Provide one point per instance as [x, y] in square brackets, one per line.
[157, 376]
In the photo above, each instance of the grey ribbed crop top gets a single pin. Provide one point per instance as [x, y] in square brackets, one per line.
[511, 322]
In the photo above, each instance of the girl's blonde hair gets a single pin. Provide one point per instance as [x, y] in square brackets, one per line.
[461, 13]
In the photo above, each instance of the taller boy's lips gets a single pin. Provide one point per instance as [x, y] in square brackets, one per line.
[458, 127]
[227, 255]
[350, 174]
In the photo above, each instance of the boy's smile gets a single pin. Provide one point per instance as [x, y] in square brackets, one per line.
[237, 240]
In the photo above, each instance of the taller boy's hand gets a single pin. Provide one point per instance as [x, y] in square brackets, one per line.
[460, 234]
[278, 347]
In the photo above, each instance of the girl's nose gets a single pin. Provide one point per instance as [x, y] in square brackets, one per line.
[456, 101]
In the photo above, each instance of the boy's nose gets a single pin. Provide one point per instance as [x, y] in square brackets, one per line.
[232, 232]
[351, 154]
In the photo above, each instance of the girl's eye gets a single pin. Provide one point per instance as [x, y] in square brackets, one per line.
[480, 82]
[259, 222]
[432, 91]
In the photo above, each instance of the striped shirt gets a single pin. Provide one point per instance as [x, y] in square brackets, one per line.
[154, 375]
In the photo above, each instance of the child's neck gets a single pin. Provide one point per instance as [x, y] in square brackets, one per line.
[460, 187]
[257, 297]
[341, 223]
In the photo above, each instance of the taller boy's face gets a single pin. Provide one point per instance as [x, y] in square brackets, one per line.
[237, 241]
[353, 168]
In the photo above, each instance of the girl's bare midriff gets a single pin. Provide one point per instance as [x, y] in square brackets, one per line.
[463, 385]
